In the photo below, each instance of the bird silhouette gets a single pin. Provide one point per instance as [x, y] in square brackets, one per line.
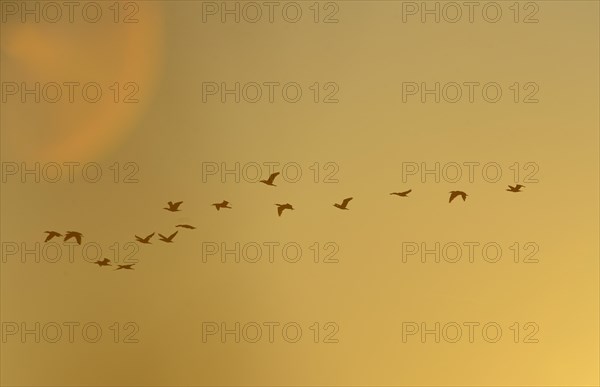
[270, 180]
[104, 262]
[402, 194]
[343, 205]
[186, 226]
[126, 267]
[223, 204]
[73, 234]
[173, 206]
[516, 188]
[145, 240]
[169, 239]
[51, 234]
[282, 207]
[454, 194]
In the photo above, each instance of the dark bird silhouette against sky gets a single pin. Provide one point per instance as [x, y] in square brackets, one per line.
[145, 240]
[104, 262]
[125, 267]
[270, 180]
[173, 206]
[223, 204]
[51, 234]
[402, 194]
[516, 188]
[73, 234]
[186, 226]
[343, 205]
[282, 207]
[168, 239]
[454, 194]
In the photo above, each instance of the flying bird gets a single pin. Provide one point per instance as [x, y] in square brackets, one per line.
[343, 205]
[104, 262]
[282, 207]
[454, 194]
[516, 188]
[223, 204]
[73, 234]
[51, 234]
[169, 239]
[270, 180]
[145, 240]
[186, 226]
[402, 194]
[173, 206]
[126, 267]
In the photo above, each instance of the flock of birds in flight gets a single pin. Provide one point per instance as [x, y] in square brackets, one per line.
[174, 207]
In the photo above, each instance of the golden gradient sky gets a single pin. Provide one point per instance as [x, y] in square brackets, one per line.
[368, 137]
